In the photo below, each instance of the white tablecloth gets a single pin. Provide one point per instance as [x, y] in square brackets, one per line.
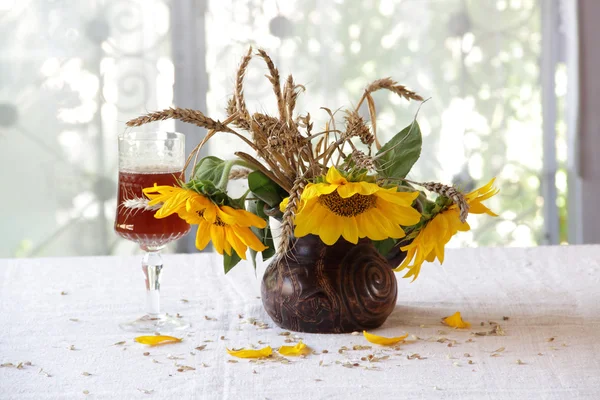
[546, 292]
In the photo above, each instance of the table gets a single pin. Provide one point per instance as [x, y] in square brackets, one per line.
[61, 315]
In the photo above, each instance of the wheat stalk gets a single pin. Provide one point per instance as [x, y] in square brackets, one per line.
[275, 81]
[393, 86]
[240, 173]
[287, 225]
[183, 114]
[448, 191]
[355, 126]
[239, 85]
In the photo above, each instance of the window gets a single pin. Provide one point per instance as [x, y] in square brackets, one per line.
[72, 75]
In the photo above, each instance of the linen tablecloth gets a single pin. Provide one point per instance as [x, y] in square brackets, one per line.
[60, 340]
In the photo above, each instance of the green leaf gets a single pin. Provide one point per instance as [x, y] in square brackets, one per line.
[230, 261]
[265, 189]
[384, 246]
[268, 241]
[400, 154]
[214, 169]
[264, 235]
[210, 169]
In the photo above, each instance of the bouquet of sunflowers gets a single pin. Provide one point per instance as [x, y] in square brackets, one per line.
[338, 183]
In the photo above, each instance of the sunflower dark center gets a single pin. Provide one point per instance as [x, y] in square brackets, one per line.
[347, 207]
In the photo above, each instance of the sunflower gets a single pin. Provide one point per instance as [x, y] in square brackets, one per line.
[431, 239]
[227, 227]
[353, 210]
[174, 199]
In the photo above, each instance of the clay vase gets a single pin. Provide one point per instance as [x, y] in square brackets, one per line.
[330, 289]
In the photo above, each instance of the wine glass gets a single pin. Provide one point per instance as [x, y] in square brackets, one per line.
[145, 159]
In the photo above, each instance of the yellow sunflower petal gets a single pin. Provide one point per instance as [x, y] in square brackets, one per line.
[251, 353]
[239, 247]
[217, 234]
[248, 238]
[156, 340]
[297, 350]
[456, 321]
[333, 176]
[203, 235]
[331, 228]
[382, 340]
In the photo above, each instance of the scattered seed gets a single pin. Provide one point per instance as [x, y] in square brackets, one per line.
[73, 319]
[240, 316]
[182, 368]
[157, 333]
[41, 371]
[7, 365]
[172, 357]
[471, 362]
[155, 361]
[146, 353]
[145, 391]
[178, 315]
[318, 380]
[550, 339]
[540, 354]
[467, 355]
[204, 365]
[469, 340]
[63, 293]
[72, 347]
[456, 364]
[492, 323]
[505, 318]
[500, 350]
[200, 348]
[119, 343]
[222, 337]
[185, 301]
[232, 361]
[355, 333]
[495, 355]
[482, 324]
[285, 334]
[360, 347]
[86, 392]
[422, 326]
[254, 371]
[325, 351]
[86, 374]
[520, 362]
[415, 356]
[449, 344]
[441, 332]
[206, 317]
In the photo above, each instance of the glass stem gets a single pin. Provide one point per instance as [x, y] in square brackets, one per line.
[152, 265]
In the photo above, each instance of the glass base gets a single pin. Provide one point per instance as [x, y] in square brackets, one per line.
[158, 323]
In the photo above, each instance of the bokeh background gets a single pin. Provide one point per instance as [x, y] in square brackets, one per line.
[498, 74]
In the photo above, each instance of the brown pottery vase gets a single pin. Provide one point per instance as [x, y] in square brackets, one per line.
[330, 289]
